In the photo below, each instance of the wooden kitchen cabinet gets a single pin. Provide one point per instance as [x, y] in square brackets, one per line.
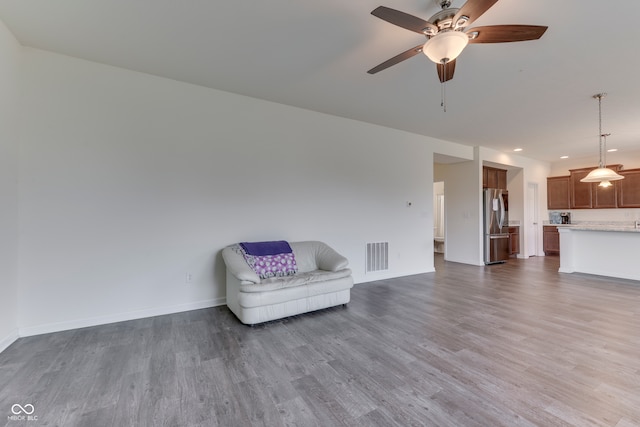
[624, 193]
[588, 195]
[514, 240]
[494, 178]
[605, 197]
[629, 189]
[581, 192]
[558, 194]
[550, 240]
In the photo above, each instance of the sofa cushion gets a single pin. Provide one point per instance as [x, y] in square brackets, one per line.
[293, 293]
[297, 280]
[313, 255]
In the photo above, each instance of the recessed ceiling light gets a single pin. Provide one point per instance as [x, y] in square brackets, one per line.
[611, 150]
[564, 157]
[517, 149]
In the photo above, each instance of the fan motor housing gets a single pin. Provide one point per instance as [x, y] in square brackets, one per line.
[444, 18]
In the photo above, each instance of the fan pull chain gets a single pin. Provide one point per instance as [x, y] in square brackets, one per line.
[443, 102]
[443, 88]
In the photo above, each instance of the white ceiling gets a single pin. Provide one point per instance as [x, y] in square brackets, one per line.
[314, 54]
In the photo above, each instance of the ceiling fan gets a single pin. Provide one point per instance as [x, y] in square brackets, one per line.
[448, 34]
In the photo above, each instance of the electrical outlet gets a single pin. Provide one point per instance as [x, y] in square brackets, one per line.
[187, 278]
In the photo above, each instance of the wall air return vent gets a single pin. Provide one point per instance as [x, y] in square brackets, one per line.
[377, 256]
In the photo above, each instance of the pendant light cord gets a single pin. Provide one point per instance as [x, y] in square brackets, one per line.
[604, 148]
[602, 136]
[600, 126]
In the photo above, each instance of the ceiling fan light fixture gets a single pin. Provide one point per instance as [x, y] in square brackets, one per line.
[445, 46]
[429, 31]
[461, 22]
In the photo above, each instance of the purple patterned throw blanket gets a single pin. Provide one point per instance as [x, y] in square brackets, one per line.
[270, 259]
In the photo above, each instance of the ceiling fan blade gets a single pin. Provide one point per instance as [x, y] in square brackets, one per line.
[398, 58]
[506, 33]
[403, 20]
[473, 9]
[445, 72]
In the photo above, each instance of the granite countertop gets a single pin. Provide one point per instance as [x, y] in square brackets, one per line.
[626, 226]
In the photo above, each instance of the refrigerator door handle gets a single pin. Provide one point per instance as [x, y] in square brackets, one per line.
[498, 236]
[501, 222]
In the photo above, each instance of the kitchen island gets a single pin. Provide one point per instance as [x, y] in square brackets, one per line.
[603, 249]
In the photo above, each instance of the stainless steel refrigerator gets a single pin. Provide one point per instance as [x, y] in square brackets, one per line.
[496, 221]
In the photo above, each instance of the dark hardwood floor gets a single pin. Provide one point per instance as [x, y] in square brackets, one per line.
[516, 344]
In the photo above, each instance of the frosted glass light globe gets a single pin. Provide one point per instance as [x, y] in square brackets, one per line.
[445, 46]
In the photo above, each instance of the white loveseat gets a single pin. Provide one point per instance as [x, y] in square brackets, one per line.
[323, 280]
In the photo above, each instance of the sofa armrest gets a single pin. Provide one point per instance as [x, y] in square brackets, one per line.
[237, 265]
[329, 260]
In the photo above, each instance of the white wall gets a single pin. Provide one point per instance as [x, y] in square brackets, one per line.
[629, 160]
[515, 178]
[130, 181]
[463, 223]
[9, 88]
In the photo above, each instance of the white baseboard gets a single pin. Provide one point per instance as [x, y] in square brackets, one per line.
[119, 317]
[8, 340]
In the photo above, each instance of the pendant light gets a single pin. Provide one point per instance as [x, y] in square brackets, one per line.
[602, 174]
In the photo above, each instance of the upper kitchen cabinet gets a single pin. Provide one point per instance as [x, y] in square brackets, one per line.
[629, 189]
[585, 195]
[494, 178]
[568, 192]
[581, 192]
[558, 194]
[605, 197]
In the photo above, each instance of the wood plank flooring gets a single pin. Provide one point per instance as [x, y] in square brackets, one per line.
[516, 344]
